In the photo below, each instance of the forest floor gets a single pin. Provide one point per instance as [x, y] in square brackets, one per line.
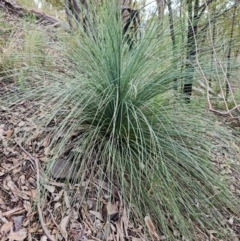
[24, 150]
[23, 143]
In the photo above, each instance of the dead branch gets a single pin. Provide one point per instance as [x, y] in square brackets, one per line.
[14, 8]
[225, 112]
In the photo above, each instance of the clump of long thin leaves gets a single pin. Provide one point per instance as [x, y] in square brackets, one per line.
[116, 117]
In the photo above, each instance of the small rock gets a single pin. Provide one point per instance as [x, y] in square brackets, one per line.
[62, 168]
[18, 220]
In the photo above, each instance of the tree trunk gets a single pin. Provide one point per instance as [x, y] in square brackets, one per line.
[191, 48]
[173, 37]
[160, 8]
[213, 46]
[229, 52]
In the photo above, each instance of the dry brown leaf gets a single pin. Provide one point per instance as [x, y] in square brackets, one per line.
[55, 231]
[10, 150]
[29, 236]
[43, 238]
[120, 232]
[58, 195]
[24, 155]
[25, 194]
[21, 123]
[125, 221]
[2, 218]
[1, 133]
[34, 193]
[7, 166]
[66, 199]
[2, 173]
[1, 201]
[26, 222]
[33, 230]
[9, 133]
[151, 227]
[4, 185]
[47, 141]
[63, 226]
[46, 151]
[12, 187]
[32, 181]
[22, 179]
[44, 159]
[17, 170]
[28, 193]
[57, 205]
[17, 161]
[50, 188]
[28, 207]
[19, 235]
[96, 214]
[112, 227]
[111, 210]
[6, 227]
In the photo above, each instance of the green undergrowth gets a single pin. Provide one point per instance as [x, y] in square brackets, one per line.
[115, 116]
[23, 45]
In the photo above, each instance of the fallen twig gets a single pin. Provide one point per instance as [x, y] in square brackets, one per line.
[225, 112]
[32, 159]
[10, 212]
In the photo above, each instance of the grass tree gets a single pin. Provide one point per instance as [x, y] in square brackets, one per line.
[116, 119]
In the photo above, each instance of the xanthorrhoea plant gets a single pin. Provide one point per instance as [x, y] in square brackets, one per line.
[115, 118]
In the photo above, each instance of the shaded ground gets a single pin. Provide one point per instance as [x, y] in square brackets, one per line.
[24, 155]
[22, 144]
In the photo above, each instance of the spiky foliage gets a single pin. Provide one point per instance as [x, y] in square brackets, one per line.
[116, 118]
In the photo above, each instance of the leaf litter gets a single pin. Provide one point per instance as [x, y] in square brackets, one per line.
[93, 219]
